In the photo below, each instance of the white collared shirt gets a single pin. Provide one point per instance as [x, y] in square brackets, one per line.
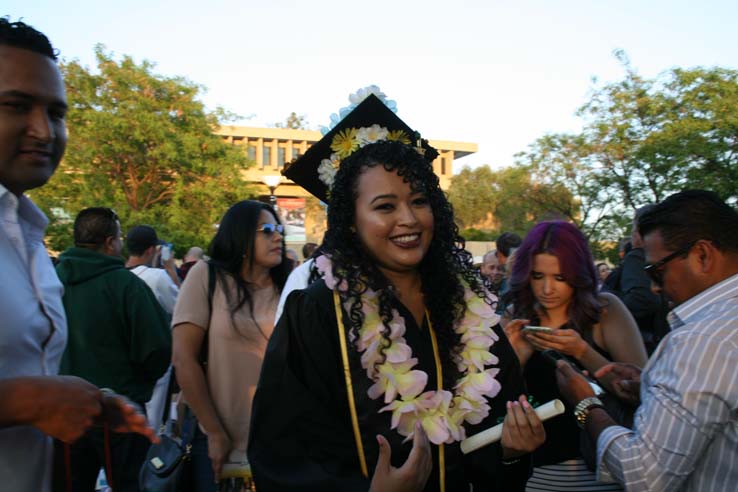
[33, 332]
[685, 433]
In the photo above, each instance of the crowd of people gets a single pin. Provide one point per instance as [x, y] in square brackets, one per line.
[366, 366]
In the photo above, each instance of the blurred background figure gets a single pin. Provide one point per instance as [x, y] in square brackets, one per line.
[307, 250]
[145, 250]
[633, 286]
[193, 255]
[492, 270]
[292, 257]
[603, 271]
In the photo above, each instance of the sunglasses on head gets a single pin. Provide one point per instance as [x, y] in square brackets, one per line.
[269, 229]
[656, 270]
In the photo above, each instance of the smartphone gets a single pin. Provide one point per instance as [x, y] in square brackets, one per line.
[166, 251]
[537, 329]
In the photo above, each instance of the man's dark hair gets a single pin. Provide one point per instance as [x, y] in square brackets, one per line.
[93, 225]
[506, 242]
[642, 210]
[691, 215]
[308, 249]
[21, 35]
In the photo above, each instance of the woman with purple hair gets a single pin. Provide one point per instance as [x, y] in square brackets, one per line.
[554, 284]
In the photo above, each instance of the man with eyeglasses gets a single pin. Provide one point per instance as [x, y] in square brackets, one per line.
[685, 435]
[35, 403]
[119, 338]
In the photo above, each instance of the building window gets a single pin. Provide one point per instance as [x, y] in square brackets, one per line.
[252, 153]
[280, 157]
[295, 153]
[266, 156]
[443, 166]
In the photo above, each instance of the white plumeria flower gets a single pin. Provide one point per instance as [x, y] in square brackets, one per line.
[372, 134]
[326, 172]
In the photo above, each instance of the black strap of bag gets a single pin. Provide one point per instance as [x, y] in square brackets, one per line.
[203, 357]
[211, 293]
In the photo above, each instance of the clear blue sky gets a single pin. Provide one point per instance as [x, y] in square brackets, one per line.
[497, 73]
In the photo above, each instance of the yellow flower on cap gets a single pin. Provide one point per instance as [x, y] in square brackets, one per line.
[345, 143]
[398, 136]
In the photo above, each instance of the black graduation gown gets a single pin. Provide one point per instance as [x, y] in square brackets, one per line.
[301, 435]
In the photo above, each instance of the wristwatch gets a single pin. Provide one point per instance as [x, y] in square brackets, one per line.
[581, 411]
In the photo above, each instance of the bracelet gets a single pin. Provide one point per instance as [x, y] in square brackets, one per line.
[582, 409]
[510, 462]
[107, 392]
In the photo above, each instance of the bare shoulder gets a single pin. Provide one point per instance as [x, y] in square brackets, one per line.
[610, 303]
[608, 298]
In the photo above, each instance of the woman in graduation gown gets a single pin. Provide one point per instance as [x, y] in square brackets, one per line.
[376, 372]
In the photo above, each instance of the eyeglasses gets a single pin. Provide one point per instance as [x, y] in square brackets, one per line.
[269, 229]
[656, 270]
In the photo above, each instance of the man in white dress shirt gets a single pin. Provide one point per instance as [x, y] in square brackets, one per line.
[35, 402]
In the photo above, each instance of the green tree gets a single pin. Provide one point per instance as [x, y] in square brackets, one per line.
[642, 140]
[472, 195]
[488, 202]
[294, 122]
[567, 162]
[144, 145]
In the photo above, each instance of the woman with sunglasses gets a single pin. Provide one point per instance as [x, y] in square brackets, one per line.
[222, 321]
[554, 285]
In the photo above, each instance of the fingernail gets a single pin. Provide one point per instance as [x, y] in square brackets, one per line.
[526, 405]
[515, 403]
[509, 405]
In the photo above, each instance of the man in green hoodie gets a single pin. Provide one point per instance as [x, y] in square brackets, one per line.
[118, 338]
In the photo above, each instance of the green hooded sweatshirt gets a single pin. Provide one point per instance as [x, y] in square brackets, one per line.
[119, 337]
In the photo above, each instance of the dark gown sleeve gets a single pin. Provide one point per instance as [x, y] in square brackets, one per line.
[301, 436]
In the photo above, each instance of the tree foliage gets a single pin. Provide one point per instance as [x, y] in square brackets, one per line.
[642, 140]
[142, 144]
[293, 122]
[508, 199]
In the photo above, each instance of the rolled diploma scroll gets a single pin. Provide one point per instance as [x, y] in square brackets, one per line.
[493, 434]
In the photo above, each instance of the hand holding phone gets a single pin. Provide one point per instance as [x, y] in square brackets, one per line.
[166, 252]
[537, 329]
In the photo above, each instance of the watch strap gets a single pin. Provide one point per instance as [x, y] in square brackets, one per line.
[581, 411]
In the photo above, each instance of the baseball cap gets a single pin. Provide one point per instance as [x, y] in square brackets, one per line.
[141, 237]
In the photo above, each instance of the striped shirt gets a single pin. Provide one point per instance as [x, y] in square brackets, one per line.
[685, 433]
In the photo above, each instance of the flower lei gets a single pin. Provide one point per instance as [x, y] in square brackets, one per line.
[441, 413]
[348, 141]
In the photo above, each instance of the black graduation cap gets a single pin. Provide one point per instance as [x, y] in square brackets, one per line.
[371, 111]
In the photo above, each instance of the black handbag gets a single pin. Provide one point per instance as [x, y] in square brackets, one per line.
[167, 464]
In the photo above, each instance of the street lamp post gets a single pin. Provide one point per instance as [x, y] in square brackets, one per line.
[272, 181]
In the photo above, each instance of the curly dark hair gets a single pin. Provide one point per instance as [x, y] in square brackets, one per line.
[441, 270]
[21, 35]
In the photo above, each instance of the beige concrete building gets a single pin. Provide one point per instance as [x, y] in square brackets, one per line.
[272, 148]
